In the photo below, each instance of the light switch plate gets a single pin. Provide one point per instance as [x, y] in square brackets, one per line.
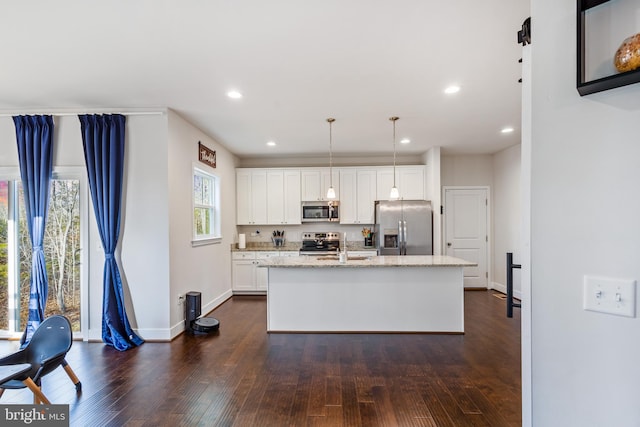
[610, 295]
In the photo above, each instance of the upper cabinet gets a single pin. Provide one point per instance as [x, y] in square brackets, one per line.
[358, 191]
[315, 183]
[251, 196]
[283, 196]
[268, 196]
[409, 180]
[273, 196]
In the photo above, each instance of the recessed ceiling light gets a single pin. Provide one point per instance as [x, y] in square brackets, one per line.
[507, 130]
[234, 94]
[271, 144]
[405, 141]
[452, 89]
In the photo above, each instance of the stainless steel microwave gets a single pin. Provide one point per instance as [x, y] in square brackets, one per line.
[320, 212]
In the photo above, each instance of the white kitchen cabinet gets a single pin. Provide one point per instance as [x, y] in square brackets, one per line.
[243, 272]
[292, 209]
[251, 196]
[243, 197]
[310, 185]
[247, 277]
[409, 180]
[267, 196]
[358, 187]
[316, 181]
[262, 274]
[283, 197]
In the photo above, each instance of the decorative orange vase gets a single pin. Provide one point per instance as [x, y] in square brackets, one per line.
[628, 54]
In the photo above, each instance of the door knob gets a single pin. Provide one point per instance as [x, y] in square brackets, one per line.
[448, 243]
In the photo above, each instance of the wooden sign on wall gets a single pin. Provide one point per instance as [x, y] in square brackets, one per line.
[206, 155]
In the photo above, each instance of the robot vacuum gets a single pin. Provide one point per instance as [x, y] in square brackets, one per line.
[205, 325]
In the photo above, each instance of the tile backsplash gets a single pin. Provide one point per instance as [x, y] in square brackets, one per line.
[293, 233]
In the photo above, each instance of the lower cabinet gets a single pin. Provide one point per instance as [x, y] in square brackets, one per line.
[243, 272]
[247, 278]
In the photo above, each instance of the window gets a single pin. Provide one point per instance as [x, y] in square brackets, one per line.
[206, 208]
[65, 235]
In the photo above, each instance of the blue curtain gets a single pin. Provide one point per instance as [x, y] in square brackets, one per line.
[103, 142]
[34, 135]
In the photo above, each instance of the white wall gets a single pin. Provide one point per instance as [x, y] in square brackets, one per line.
[433, 192]
[144, 236]
[8, 147]
[466, 170]
[507, 216]
[585, 214]
[205, 269]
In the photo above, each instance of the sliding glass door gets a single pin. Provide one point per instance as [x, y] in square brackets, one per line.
[5, 269]
[63, 243]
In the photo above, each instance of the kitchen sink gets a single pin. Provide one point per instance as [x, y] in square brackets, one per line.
[336, 258]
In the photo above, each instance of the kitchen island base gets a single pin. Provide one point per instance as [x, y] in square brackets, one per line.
[384, 299]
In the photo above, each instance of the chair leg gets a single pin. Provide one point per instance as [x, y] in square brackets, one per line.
[72, 375]
[38, 395]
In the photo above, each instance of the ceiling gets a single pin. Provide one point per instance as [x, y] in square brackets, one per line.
[295, 62]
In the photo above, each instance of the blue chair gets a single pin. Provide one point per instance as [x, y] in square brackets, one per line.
[45, 351]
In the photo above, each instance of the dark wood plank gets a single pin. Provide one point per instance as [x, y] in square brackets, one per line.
[243, 376]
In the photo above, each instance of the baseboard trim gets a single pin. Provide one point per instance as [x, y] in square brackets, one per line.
[162, 334]
[217, 302]
[503, 288]
[178, 328]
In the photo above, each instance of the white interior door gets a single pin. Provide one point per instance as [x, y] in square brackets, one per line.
[465, 216]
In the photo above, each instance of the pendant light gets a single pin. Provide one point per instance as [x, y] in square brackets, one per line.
[395, 194]
[331, 192]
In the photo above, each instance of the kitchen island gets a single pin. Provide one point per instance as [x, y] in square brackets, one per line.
[366, 294]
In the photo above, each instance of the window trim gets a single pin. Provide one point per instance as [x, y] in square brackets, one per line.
[216, 236]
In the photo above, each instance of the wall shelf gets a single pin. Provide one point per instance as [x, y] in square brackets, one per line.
[584, 86]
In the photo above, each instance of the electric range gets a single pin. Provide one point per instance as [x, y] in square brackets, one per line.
[320, 243]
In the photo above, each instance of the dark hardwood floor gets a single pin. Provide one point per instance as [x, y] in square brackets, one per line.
[245, 377]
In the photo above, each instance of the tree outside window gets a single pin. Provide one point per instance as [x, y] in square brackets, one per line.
[62, 253]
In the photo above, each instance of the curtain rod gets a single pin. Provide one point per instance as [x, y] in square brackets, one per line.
[129, 113]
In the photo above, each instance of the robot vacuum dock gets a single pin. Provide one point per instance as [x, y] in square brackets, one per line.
[193, 323]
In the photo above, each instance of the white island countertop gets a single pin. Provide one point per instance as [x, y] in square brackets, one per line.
[331, 261]
[411, 293]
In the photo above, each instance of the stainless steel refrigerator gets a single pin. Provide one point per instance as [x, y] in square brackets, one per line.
[404, 227]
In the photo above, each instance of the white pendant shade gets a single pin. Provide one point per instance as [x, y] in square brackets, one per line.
[331, 193]
[395, 194]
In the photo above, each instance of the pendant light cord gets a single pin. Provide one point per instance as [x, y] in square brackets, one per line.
[393, 119]
[330, 120]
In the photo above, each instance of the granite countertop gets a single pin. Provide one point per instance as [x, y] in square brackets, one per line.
[331, 261]
[292, 246]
